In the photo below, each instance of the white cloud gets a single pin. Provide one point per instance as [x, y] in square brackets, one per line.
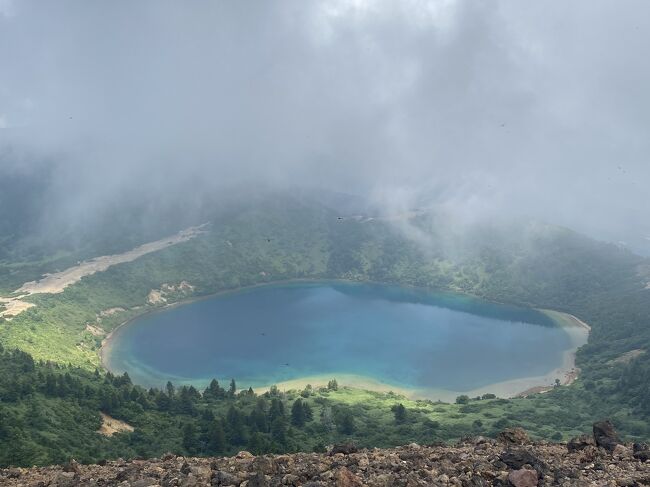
[504, 105]
[6, 8]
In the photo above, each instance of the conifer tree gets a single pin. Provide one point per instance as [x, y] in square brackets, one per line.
[190, 438]
[309, 413]
[216, 438]
[400, 413]
[297, 414]
[346, 423]
[277, 410]
[170, 390]
[279, 431]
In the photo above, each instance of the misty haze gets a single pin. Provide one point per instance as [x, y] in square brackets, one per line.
[280, 227]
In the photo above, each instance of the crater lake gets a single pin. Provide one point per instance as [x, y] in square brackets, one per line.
[370, 335]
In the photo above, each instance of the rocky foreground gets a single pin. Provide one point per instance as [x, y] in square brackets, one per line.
[510, 460]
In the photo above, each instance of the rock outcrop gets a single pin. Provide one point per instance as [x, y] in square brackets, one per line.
[166, 291]
[580, 443]
[605, 435]
[513, 436]
[471, 463]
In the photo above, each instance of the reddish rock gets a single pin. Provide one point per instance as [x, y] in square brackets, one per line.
[513, 436]
[345, 478]
[523, 478]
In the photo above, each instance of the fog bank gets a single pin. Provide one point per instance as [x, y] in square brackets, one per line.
[481, 108]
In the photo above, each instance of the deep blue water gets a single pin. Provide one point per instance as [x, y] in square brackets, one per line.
[401, 336]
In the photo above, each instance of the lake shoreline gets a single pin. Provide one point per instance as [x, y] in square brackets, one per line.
[566, 372]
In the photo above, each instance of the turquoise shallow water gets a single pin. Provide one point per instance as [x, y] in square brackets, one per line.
[401, 336]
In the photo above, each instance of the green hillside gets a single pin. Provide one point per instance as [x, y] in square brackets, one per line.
[281, 238]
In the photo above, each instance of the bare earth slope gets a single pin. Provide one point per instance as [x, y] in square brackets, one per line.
[57, 282]
[511, 460]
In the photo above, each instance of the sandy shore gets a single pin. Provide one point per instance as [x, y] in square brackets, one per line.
[57, 282]
[343, 380]
[566, 373]
[507, 389]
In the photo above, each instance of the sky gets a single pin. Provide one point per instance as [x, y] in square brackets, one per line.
[484, 108]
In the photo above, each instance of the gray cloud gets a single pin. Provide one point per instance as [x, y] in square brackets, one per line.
[481, 107]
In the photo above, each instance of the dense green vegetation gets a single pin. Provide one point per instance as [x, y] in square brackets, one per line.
[525, 264]
[50, 413]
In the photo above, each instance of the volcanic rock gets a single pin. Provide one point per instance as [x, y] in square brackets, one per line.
[463, 465]
[513, 436]
[605, 435]
[523, 478]
[580, 443]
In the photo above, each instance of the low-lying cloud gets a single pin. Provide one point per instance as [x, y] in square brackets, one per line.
[482, 107]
